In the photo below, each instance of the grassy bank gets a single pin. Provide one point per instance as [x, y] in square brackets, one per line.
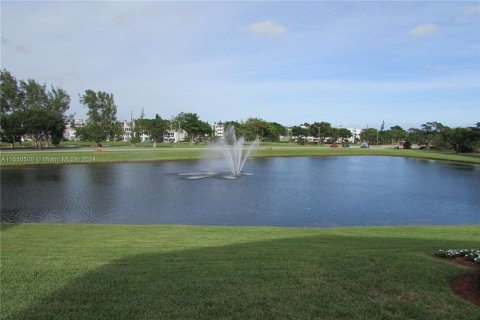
[172, 272]
[90, 155]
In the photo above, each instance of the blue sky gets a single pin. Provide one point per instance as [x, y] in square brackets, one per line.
[353, 64]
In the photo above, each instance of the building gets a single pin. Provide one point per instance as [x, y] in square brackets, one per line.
[127, 130]
[174, 135]
[70, 129]
[218, 129]
[127, 127]
[355, 135]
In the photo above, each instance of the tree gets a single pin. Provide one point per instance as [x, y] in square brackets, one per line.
[465, 139]
[102, 117]
[58, 104]
[12, 128]
[435, 133]
[397, 134]
[34, 95]
[344, 134]
[156, 128]
[266, 131]
[41, 124]
[415, 135]
[276, 130]
[11, 125]
[138, 128]
[301, 133]
[10, 99]
[369, 135]
[58, 100]
[27, 108]
[255, 127]
[35, 111]
[298, 131]
[322, 130]
[192, 125]
[239, 128]
[334, 135]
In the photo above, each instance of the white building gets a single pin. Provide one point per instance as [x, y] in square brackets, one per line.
[70, 129]
[144, 137]
[218, 129]
[355, 135]
[127, 130]
[174, 135]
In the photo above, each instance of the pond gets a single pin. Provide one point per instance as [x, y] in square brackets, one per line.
[300, 191]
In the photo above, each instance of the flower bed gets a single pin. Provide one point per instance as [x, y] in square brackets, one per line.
[472, 255]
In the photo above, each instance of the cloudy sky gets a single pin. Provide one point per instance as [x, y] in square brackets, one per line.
[353, 64]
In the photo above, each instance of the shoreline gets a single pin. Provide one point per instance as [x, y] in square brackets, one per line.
[29, 158]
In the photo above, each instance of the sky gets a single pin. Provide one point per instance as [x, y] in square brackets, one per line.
[353, 64]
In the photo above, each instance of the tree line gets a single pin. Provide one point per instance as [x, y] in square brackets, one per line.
[28, 108]
[34, 110]
[322, 131]
[201, 131]
[430, 135]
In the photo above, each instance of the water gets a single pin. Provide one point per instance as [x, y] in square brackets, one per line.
[304, 191]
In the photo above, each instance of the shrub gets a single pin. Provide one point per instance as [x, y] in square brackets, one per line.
[407, 145]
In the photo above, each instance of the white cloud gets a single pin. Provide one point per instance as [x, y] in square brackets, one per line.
[423, 30]
[268, 28]
[472, 10]
[469, 13]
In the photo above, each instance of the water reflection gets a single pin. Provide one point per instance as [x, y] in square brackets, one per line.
[304, 191]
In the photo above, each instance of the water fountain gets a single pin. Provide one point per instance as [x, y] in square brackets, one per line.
[235, 153]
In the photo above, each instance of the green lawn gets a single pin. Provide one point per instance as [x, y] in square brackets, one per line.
[182, 152]
[182, 272]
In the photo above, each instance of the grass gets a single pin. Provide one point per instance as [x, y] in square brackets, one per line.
[182, 272]
[182, 152]
[92, 156]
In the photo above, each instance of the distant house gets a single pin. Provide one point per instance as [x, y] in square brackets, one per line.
[218, 129]
[174, 135]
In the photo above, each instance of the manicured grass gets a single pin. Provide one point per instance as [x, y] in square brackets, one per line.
[92, 156]
[182, 272]
[182, 152]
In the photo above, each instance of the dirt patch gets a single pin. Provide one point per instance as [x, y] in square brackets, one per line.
[464, 262]
[467, 286]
